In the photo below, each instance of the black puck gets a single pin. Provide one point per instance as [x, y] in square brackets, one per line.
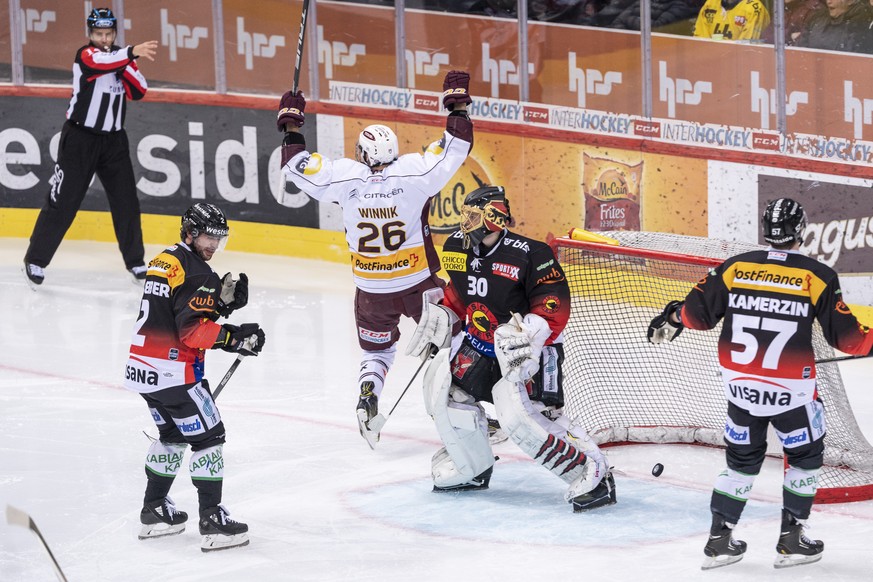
[657, 469]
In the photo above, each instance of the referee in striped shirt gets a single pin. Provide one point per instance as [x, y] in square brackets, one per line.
[92, 141]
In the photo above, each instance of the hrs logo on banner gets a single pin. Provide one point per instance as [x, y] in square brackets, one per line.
[672, 91]
[423, 63]
[332, 53]
[35, 21]
[176, 36]
[585, 82]
[499, 71]
[764, 101]
[255, 44]
[857, 111]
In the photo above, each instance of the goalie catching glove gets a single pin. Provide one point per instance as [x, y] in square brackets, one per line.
[246, 339]
[518, 345]
[663, 327]
[234, 294]
[434, 328]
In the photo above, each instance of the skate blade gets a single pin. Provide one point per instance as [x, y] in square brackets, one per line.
[789, 560]
[372, 437]
[159, 530]
[216, 542]
[710, 563]
[33, 286]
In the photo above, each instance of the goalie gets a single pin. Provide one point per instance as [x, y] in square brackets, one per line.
[510, 295]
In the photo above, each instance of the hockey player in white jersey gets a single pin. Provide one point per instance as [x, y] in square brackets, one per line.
[385, 200]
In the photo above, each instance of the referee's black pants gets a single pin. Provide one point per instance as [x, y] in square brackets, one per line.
[81, 154]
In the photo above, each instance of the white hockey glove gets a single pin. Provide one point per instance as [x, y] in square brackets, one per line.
[234, 294]
[662, 327]
[519, 345]
[434, 329]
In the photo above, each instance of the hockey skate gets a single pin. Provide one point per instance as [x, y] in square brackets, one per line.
[602, 494]
[480, 481]
[138, 273]
[496, 435]
[794, 548]
[220, 532]
[161, 518]
[35, 275]
[368, 407]
[722, 549]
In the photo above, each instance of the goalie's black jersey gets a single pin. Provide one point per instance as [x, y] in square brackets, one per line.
[769, 300]
[517, 275]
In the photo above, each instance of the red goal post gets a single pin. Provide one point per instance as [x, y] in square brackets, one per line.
[626, 390]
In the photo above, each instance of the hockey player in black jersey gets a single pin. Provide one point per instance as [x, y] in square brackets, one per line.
[93, 141]
[182, 300]
[768, 301]
[512, 301]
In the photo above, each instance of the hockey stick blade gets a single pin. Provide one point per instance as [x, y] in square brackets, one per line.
[841, 359]
[15, 516]
[377, 422]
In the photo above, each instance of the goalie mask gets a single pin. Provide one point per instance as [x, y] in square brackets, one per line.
[783, 222]
[206, 219]
[377, 145]
[485, 210]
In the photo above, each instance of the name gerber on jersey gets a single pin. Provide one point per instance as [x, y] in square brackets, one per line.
[769, 305]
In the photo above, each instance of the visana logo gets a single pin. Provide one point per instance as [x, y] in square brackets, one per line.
[763, 397]
[147, 377]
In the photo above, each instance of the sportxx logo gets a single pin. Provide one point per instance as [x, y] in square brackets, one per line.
[764, 101]
[423, 63]
[858, 112]
[332, 53]
[672, 91]
[255, 44]
[647, 128]
[176, 36]
[590, 81]
[499, 71]
[33, 20]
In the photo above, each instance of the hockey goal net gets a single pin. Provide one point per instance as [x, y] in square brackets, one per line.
[625, 390]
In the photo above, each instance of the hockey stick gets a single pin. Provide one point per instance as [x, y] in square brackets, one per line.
[15, 516]
[378, 421]
[841, 359]
[300, 38]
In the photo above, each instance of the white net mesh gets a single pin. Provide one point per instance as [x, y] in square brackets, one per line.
[625, 389]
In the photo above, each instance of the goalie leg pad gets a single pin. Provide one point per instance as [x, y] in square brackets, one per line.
[462, 426]
[571, 455]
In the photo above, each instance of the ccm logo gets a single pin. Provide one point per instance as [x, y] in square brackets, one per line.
[647, 128]
[425, 102]
[764, 141]
[536, 114]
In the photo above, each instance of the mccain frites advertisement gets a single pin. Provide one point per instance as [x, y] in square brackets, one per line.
[547, 183]
[612, 194]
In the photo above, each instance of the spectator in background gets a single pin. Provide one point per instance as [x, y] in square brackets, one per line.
[564, 11]
[843, 25]
[732, 20]
[797, 13]
[627, 14]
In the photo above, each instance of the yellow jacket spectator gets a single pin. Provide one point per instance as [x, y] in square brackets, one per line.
[732, 20]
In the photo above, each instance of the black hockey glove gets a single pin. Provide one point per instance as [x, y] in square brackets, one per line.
[662, 327]
[234, 294]
[246, 339]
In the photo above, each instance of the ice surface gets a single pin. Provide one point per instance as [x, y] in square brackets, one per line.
[320, 504]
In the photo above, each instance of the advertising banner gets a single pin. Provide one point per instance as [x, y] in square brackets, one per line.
[181, 154]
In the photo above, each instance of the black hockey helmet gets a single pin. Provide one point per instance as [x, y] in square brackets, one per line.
[203, 218]
[784, 221]
[485, 210]
[101, 18]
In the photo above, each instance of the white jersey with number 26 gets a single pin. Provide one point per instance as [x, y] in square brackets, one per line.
[384, 212]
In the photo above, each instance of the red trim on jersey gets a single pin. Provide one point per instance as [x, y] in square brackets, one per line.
[202, 336]
[105, 64]
[453, 301]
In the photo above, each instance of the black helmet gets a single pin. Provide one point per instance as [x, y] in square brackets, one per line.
[203, 218]
[485, 210]
[783, 222]
[101, 18]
